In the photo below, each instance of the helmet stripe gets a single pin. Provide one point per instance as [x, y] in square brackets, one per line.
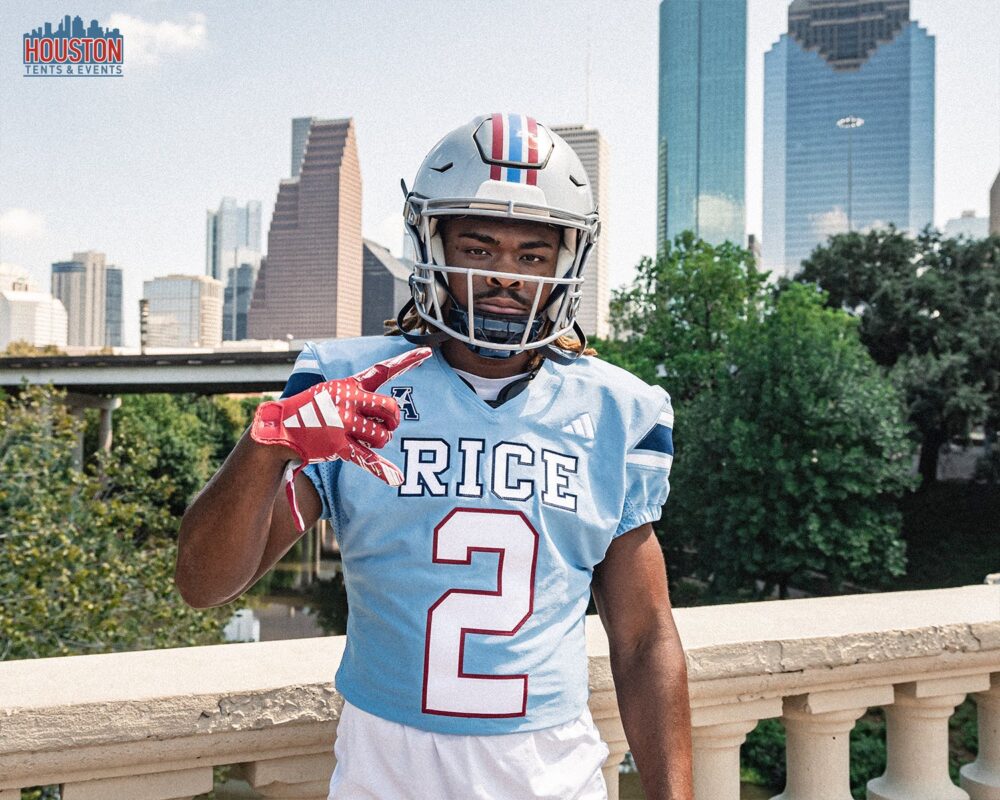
[497, 145]
[515, 142]
[532, 150]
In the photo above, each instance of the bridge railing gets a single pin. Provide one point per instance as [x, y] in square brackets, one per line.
[151, 725]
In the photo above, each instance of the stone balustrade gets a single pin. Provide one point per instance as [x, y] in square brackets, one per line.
[151, 725]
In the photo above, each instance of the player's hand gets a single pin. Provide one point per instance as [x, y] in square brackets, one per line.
[338, 419]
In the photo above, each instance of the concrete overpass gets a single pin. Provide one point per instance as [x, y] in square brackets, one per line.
[201, 373]
[96, 381]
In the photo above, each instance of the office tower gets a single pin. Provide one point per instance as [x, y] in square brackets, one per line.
[184, 311]
[848, 126]
[702, 116]
[113, 307]
[81, 286]
[300, 135]
[236, 299]
[33, 317]
[232, 236]
[995, 207]
[310, 286]
[386, 288]
[592, 149]
[968, 225]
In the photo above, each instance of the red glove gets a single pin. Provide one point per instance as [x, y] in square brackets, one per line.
[337, 419]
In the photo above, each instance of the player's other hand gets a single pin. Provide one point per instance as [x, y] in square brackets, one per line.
[340, 419]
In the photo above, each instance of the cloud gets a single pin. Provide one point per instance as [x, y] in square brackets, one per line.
[147, 42]
[20, 223]
[829, 222]
[717, 212]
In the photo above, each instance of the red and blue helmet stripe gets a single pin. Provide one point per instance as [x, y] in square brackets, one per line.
[515, 140]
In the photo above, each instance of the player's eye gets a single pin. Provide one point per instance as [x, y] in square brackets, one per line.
[477, 251]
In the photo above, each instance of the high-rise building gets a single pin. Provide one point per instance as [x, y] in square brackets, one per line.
[968, 225]
[310, 286]
[33, 317]
[592, 149]
[995, 207]
[184, 311]
[300, 135]
[702, 117]
[113, 307]
[81, 286]
[386, 288]
[848, 126]
[236, 299]
[232, 236]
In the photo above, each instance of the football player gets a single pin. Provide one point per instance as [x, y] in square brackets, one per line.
[483, 473]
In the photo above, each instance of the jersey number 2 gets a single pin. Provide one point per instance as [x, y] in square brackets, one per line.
[448, 688]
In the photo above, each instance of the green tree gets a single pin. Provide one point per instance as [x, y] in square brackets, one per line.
[674, 321]
[794, 459]
[183, 437]
[20, 347]
[930, 314]
[88, 555]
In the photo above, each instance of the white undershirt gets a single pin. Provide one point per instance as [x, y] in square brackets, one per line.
[489, 388]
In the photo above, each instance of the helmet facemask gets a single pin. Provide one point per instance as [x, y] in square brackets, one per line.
[497, 335]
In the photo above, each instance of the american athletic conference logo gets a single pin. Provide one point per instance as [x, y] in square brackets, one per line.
[73, 51]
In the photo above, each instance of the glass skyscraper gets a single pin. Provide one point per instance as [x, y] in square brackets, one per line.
[229, 233]
[702, 119]
[848, 126]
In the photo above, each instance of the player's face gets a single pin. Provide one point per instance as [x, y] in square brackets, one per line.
[511, 250]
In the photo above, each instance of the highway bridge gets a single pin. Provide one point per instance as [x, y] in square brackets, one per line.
[201, 373]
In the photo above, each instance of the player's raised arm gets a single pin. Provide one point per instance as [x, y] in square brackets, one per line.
[258, 503]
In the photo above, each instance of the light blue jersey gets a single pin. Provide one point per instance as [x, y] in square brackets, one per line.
[468, 583]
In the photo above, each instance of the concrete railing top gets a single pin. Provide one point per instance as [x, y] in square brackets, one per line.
[721, 642]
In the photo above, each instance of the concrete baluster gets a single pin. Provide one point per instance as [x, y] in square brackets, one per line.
[717, 733]
[818, 727]
[604, 709]
[303, 777]
[917, 740]
[981, 778]
[177, 785]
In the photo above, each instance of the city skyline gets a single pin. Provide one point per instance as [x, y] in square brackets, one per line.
[229, 135]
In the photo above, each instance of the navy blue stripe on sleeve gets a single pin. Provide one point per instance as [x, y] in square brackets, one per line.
[299, 382]
[659, 440]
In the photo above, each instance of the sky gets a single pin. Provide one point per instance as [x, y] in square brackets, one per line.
[128, 166]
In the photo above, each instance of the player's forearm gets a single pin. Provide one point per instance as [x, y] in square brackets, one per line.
[653, 699]
[224, 533]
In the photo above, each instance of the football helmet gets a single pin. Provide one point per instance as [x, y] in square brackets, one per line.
[505, 166]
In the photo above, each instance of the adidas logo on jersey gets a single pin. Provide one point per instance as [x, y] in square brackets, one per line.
[308, 418]
[582, 426]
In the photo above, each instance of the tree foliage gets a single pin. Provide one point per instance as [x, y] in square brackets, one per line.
[796, 457]
[184, 438]
[20, 347]
[674, 322]
[88, 554]
[930, 313]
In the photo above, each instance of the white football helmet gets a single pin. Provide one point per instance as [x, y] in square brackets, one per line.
[505, 166]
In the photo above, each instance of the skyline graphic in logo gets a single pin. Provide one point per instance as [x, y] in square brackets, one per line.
[73, 51]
